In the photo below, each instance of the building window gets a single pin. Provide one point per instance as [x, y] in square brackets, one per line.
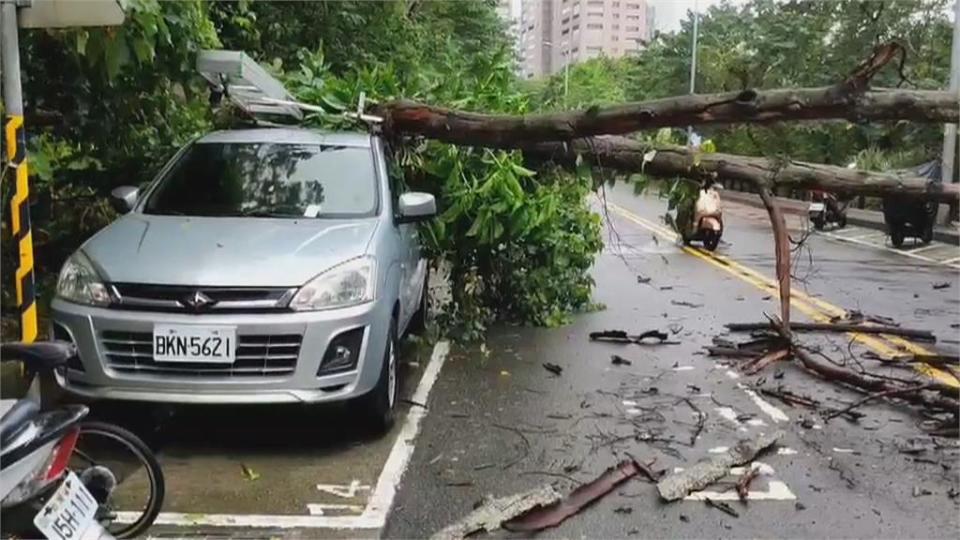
[565, 32]
[616, 4]
[594, 49]
[616, 15]
[616, 27]
[576, 16]
[595, 3]
[594, 14]
[633, 29]
[614, 38]
[594, 26]
[633, 17]
[565, 21]
[575, 50]
[633, 6]
[576, 27]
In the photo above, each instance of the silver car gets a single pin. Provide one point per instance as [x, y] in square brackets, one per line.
[260, 266]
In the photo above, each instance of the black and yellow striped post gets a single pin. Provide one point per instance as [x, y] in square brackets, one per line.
[20, 225]
[15, 142]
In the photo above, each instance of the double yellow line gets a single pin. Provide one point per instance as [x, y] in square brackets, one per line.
[814, 308]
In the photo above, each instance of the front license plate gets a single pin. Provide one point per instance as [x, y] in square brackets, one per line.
[189, 343]
[816, 207]
[69, 513]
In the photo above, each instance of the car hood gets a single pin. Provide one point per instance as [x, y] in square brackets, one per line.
[232, 252]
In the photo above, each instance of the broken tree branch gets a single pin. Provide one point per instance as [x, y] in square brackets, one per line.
[886, 393]
[630, 156]
[743, 483]
[925, 335]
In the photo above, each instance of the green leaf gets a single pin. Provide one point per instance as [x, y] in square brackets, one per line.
[143, 50]
[117, 54]
[82, 37]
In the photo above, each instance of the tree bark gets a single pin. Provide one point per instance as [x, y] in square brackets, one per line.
[748, 106]
[626, 155]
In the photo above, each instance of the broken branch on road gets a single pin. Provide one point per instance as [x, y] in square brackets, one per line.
[680, 484]
[925, 335]
[621, 336]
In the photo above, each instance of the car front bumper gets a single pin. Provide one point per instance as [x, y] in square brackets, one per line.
[100, 376]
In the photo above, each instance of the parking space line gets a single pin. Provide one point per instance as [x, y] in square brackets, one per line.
[799, 300]
[912, 253]
[951, 261]
[374, 514]
[931, 245]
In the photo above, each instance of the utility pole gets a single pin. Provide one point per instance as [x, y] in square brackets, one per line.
[693, 61]
[16, 158]
[15, 14]
[949, 157]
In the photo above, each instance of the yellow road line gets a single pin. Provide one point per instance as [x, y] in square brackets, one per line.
[815, 308]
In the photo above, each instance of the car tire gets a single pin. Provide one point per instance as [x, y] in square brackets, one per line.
[927, 234]
[418, 323]
[842, 222]
[818, 223]
[378, 407]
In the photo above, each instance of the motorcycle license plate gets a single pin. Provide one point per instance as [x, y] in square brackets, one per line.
[69, 513]
[816, 207]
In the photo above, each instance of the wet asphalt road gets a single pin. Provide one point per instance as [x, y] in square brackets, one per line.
[499, 423]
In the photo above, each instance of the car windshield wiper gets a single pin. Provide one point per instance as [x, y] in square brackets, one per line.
[265, 214]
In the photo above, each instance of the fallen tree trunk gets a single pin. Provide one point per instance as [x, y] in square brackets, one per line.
[630, 156]
[748, 106]
[849, 100]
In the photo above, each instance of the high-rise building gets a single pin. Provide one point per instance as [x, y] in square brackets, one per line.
[556, 32]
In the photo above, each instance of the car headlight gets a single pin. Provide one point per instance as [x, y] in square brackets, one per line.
[346, 284]
[79, 282]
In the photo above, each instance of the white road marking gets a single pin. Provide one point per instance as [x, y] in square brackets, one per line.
[769, 409]
[345, 491]
[843, 450]
[858, 240]
[729, 414]
[322, 509]
[785, 451]
[683, 368]
[733, 374]
[932, 245]
[756, 422]
[374, 515]
[718, 450]
[632, 410]
[629, 403]
[776, 490]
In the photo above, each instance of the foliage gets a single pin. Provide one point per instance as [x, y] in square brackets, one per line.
[517, 243]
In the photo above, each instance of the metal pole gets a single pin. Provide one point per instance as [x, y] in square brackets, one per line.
[16, 146]
[949, 157]
[693, 61]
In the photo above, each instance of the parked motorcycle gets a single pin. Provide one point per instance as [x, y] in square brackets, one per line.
[825, 208]
[53, 482]
[707, 223]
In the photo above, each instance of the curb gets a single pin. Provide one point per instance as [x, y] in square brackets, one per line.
[862, 218]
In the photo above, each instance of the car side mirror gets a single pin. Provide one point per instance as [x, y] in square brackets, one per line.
[416, 206]
[124, 198]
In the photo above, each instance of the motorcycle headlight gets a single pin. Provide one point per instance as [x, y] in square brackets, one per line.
[79, 282]
[347, 284]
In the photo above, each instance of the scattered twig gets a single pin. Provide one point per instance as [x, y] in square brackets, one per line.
[743, 483]
[553, 368]
[886, 393]
[722, 506]
[684, 303]
[526, 444]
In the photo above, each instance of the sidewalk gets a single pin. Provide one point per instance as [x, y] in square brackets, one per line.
[871, 219]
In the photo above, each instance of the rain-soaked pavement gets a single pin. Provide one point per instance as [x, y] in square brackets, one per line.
[500, 423]
[495, 422]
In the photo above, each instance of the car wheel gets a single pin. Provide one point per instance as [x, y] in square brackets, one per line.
[818, 223]
[842, 222]
[896, 236]
[378, 406]
[418, 324]
[927, 234]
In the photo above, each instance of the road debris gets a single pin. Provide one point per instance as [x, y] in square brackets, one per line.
[855, 316]
[620, 336]
[684, 303]
[642, 279]
[743, 483]
[553, 368]
[925, 335]
[249, 473]
[544, 517]
[493, 512]
[722, 506]
[920, 492]
[623, 510]
[680, 484]
[941, 285]
[618, 360]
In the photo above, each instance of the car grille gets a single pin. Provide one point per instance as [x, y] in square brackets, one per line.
[181, 298]
[257, 355]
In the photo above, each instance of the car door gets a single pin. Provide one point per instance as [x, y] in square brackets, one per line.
[412, 271]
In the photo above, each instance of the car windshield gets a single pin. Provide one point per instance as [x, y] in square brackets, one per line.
[268, 180]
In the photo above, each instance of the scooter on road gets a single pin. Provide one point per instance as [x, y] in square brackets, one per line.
[707, 223]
